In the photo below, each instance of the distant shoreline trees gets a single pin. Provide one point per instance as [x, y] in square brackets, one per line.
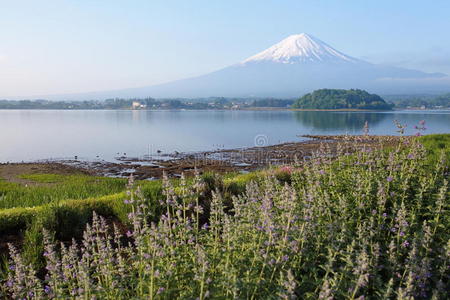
[319, 99]
[421, 101]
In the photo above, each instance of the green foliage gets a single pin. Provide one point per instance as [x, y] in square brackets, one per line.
[341, 99]
[33, 245]
[16, 219]
[427, 101]
[374, 224]
[437, 145]
[71, 198]
[48, 178]
[19, 218]
[54, 188]
[272, 103]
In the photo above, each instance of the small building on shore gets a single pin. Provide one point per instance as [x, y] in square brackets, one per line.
[137, 105]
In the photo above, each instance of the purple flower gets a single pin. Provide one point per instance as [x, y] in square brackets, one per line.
[405, 244]
[384, 215]
[47, 289]
[160, 290]
[129, 234]
[389, 178]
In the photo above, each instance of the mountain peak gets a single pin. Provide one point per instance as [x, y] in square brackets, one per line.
[300, 48]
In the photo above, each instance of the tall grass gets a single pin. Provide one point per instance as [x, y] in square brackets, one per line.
[436, 144]
[54, 188]
[375, 224]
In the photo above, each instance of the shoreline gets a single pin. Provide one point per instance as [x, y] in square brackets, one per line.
[312, 109]
[239, 109]
[238, 160]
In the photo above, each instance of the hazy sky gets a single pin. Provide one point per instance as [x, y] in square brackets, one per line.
[64, 46]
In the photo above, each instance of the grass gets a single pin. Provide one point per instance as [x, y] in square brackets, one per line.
[436, 144]
[373, 224]
[51, 188]
[20, 204]
[73, 198]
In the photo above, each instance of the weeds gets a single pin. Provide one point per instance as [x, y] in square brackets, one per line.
[374, 224]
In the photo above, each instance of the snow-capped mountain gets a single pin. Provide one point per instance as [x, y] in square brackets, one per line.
[300, 48]
[298, 64]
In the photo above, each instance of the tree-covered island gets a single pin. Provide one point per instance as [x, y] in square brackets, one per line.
[341, 99]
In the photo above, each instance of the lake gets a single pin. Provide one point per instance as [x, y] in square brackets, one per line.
[28, 135]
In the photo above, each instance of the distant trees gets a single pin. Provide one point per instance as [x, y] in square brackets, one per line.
[271, 102]
[341, 99]
[427, 101]
[443, 100]
[45, 104]
[319, 99]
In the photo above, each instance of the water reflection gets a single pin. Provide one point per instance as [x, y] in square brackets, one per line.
[31, 135]
[325, 121]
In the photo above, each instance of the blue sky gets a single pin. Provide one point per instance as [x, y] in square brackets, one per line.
[62, 46]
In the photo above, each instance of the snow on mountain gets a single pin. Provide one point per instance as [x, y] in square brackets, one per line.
[299, 48]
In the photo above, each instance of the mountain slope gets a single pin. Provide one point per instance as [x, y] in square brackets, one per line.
[296, 65]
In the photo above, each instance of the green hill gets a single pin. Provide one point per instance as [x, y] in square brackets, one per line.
[341, 99]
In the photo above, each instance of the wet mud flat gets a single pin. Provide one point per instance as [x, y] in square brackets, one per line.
[231, 160]
[219, 161]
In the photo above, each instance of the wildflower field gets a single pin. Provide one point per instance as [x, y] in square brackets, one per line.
[372, 224]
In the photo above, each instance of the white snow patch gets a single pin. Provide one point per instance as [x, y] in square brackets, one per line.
[300, 48]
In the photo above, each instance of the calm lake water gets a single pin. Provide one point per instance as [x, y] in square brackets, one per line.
[32, 134]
